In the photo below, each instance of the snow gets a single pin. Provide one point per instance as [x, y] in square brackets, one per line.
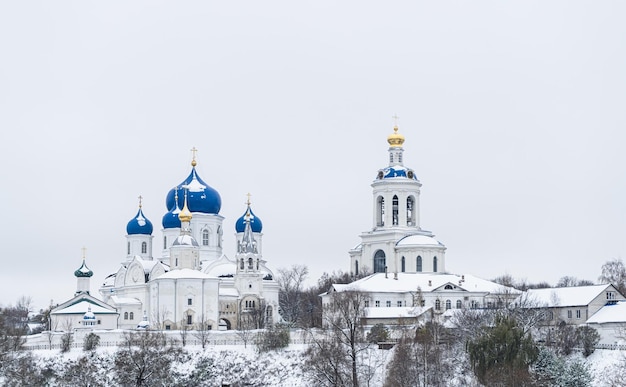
[186, 273]
[427, 282]
[394, 312]
[82, 307]
[125, 300]
[219, 364]
[609, 313]
[569, 296]
[419, 240]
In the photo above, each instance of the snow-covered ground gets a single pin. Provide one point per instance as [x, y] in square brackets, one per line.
[238, 364]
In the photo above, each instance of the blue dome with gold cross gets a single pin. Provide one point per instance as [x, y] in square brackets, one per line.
[200, 196]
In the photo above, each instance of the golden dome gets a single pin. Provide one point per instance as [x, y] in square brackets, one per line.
[396, 139]
[185, 214]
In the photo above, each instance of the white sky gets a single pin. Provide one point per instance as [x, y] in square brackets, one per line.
[513, 114]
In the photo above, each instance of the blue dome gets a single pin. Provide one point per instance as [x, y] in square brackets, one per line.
[200, 196]
[139, 225]
[396, 171]
[255, 223]
[171, 220]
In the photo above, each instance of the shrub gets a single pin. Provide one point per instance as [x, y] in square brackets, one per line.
[274, 337]
[91, 342]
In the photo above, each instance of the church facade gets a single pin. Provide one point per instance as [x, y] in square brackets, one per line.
[183, 280]
[403, 266]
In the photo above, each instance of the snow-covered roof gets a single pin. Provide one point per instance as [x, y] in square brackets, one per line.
[228, 291]
[184, 273]
[418, 240]
[82, 307]
[609, 313]
[125, 300]
[427, 282]
[395, 312]
[568, 296]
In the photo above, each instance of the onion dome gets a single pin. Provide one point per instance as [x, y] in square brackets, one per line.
[171, 220]
[139, 224]
[185, 214]
[201, 197]
[395, 139]
[83, 271]
[255, 223]
[89, 315]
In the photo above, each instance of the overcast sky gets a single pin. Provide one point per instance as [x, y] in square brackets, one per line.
[513, 114]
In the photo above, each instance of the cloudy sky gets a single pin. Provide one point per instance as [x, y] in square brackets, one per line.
[513, 114]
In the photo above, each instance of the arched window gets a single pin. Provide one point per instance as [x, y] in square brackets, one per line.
[164, 242]
[403, 265]
[379, 262]
[132, 315]
[250, 261]
[241, 264]
[435, 264]
[125, 315]
[205, 237]
[128, 248]
[395, 210]
[410, 214]
[458, 304]
[437, 305]
[380, 211]
[356, 267]
[448, 304]
[144, 247]
[418, 264]
[219, 236]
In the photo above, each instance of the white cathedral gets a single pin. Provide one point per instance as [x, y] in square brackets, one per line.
[192, 285]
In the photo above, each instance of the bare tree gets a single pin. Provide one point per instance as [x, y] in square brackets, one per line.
[290, 300]
[246, 325]
[144, 359]
[568, 281]
[159, 317]
[202, 333]
[341, 343]
[184, 331]
[614, 272]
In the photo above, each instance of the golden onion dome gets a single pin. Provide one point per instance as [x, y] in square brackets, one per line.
[395, 139]
[185, 214]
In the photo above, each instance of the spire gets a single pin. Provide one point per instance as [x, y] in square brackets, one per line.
[395, 141]
[185, 214]
[248, 244]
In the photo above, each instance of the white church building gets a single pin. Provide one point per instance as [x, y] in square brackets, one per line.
[192, 284]
[407, 263]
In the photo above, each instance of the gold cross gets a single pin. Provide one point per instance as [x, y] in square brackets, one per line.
[395, 119]
[140, 197]
[248, 195]
[84, 249]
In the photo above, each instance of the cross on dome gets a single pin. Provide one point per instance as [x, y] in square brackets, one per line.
[193, 156]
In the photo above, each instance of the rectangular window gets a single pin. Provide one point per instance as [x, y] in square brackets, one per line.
[578, 313]
[367, 303]
[168, 327]
[610, 295]
[399, 304]
[189, 301]
[569, 314]
[189, 317]
[378, 304]
[388, 304]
